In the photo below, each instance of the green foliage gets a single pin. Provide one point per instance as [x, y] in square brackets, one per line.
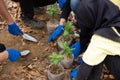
[66, 49]
[52, 11]
[55, 58]
[67, 29]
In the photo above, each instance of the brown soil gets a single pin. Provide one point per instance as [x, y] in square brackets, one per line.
[67, 57]
[55, 69]
[32, 66]
[35, 62]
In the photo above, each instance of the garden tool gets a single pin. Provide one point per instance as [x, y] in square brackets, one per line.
[25, 52]
[28, 37]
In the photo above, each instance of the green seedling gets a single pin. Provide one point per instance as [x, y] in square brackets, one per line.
[56, 58]
[52, 11]
[66, 49]
[67, 29]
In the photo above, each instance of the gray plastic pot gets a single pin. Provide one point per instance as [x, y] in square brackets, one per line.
[52, 76]
[67, 63]
[51, 26]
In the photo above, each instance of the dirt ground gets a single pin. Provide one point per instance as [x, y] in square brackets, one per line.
[32, 66]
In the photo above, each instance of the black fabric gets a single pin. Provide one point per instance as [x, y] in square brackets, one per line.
[93, 15]
[41, 3]
[85, 36]
[113, 65]
[109, 33]
[27, 6]
[84, 71]
[16, 0]
[87, 72]
[96, 72]
[96, 17]
[2, 47]
[118, 29]
[96, 13]
[66, 10]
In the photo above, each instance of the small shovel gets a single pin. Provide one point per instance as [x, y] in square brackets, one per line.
[25, 52]
[28, 37]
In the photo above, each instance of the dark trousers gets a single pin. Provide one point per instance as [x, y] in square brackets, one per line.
[27, 6]
[113, 65]
[87, 72]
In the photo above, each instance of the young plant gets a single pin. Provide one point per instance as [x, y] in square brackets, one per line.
[66, 49]
[52, 11]
[55, 58]
[67, 29]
